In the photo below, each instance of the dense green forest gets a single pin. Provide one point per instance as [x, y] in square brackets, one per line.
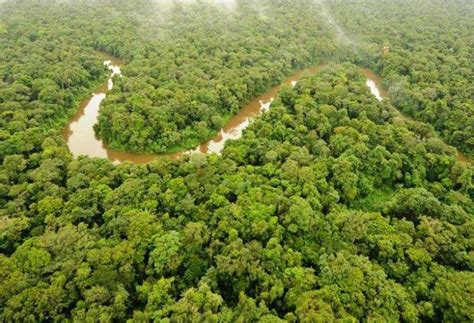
[202, 63]
[329, 208]
[427, 61]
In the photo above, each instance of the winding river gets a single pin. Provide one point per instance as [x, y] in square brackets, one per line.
[82, 140]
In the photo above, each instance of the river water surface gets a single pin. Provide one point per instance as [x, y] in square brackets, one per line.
[82, 140]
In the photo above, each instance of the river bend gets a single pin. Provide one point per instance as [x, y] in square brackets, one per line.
[82, 140]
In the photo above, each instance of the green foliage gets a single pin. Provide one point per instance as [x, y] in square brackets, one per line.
[428, 72]
[225, 59]
[329, 208]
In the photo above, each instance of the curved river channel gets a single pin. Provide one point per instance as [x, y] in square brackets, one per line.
[82, 140]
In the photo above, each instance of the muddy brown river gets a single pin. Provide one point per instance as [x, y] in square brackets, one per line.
[82, 140]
